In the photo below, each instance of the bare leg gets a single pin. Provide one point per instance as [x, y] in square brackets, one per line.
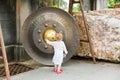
[59, 69]
[55, 66]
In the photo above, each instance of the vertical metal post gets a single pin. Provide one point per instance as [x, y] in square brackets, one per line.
[90, 43]
[18, 20]
[18, 29]
[70, 6]
[4, 55]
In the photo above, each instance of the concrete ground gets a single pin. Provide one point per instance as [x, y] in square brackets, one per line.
[74, 70]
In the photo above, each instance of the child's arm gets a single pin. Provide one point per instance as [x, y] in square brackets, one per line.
[49, 42]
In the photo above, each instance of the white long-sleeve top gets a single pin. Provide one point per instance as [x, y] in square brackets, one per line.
[59, 50]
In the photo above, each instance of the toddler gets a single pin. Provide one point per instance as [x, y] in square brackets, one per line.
[60, 52]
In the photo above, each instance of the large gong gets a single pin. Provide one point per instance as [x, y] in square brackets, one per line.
[44, 23]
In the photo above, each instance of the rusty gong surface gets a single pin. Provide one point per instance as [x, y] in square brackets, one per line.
[39, 23]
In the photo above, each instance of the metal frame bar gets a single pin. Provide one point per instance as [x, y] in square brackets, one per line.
[87, 31]
[4, 57]
[85, 24]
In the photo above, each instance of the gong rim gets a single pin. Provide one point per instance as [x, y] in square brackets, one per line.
[49, 18]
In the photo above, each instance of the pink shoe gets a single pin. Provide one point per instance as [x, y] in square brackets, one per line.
[59, 72]
[55, 70]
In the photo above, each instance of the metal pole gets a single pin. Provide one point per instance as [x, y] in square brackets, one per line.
[18, 29]
[4, 55]
[90, 44]
[70, 6]
[18, 2]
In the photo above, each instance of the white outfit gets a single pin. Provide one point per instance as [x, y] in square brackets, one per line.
[59, 50]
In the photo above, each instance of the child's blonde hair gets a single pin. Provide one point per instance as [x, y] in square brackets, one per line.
[59, 36]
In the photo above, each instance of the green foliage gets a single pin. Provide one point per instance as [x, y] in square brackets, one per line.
[117, 1]
[63, 4]
[76, 7]
[111, 3]
[55, 3]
